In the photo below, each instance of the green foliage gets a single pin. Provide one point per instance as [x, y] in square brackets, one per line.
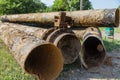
[60, 5]
[21, 6]
[9, 68]
[87, 5]
[76, 4]
[66, 5]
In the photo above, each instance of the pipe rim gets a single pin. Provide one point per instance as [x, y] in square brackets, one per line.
[82, 59]
[58, 61]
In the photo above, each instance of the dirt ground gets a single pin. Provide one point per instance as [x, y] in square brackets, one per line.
[110, 71]
[103, 72]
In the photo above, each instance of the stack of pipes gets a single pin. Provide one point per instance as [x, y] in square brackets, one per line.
[43, 52]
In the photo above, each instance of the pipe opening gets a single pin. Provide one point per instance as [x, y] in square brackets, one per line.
[45, 61]
[93, 51]
[70, 48]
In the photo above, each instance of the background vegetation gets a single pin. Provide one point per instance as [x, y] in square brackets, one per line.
[66, 5]
[21, 6]
[31, 6]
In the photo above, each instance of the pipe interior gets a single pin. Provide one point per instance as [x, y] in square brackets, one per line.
[70, 48]
[45, 61]
[93, 51]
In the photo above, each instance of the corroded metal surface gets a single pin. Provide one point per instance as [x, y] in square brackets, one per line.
[64, 39]
[35, 56]
[92, 49]
[67, 42]
[38, 32]
[81, 32]
[96, 18]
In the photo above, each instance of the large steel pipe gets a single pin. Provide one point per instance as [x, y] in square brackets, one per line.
[64, 39]
[80, 33]
[37, 57]
[67, 42]
[92, 49]
[96, 18]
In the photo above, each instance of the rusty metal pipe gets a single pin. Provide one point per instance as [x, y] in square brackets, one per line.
[64, 39]
[93, 51]
[80, 32]
[67, 42]
[96, 18]
[36, 56]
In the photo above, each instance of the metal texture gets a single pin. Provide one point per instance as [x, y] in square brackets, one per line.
[64, 39]
[81, 32]
[96, 18]
[63, 21]
[36, 56]
[67, 42]
[93, 51]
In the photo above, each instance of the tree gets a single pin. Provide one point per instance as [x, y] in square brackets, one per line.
[70, 4]
[60, 5]
[21, 6]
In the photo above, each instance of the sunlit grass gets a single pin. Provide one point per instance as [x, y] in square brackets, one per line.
[111, 44]
[9, 68]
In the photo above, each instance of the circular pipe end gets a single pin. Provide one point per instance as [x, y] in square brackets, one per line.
[70, 46]
[93, 52]
[44, 61]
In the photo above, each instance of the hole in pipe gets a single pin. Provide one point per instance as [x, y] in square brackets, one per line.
[44, 61]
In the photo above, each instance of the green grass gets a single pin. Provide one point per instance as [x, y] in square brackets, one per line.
[117, 30]
[9, 68]
[111, 45]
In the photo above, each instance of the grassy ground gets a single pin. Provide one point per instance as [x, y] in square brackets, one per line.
[111, 45]
[10, 70]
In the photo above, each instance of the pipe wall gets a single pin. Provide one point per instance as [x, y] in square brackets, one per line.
[93, 51]
[64, 39]
[67, 42]
[96, 18]
[35, 56]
